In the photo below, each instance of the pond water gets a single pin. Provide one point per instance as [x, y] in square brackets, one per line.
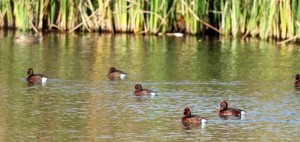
[79, 102]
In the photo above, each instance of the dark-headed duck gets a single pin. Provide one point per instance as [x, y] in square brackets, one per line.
[139, 91]
[113, 73]
[35, 78]
[225, 111]
[297, 83]
[188, 118]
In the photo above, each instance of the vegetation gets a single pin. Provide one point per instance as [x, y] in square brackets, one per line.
[256, 18]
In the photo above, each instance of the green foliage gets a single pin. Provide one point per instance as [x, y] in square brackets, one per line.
[263, 18]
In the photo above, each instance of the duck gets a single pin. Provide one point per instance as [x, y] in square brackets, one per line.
[297, 82]
[139, 91]
[27, 39]
[114, 73]
[188, 118]
[35, 78]
[225, 111]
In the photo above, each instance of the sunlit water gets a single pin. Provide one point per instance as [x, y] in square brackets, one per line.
[79, 102]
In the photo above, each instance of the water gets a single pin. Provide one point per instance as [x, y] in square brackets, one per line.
[79, 103]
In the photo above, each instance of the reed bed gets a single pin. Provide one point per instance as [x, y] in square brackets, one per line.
[275, 19]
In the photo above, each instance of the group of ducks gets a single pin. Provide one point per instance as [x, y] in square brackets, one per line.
[114, 74]
[224, 111]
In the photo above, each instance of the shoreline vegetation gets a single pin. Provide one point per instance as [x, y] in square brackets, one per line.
[274, 19]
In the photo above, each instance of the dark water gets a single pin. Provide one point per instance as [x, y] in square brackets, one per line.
[79, 102]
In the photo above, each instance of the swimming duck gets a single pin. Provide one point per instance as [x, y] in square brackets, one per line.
[35, 78]
[188, 118]
[225, 111]
[139, 91]
[113, 73]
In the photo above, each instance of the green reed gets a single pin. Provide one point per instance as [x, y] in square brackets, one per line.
[250, 22]
[6, 12]
[256, 18]
[135, 20]
[235, 17]
[153, 15]
[62, 20]
[52, 13]
[225, 21]
[295, 12]
[192, 13]
[123, 16]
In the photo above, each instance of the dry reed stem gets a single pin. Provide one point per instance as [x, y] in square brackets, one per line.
[78, 26]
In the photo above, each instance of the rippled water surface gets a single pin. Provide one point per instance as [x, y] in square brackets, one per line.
[79, 102]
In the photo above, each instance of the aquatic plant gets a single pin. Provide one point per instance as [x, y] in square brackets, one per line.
[277, 19]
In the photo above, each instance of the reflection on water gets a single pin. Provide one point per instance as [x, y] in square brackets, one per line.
[80, 103]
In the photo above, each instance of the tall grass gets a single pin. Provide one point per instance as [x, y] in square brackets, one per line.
[120, 16]
[135, 18]
[276, 19]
